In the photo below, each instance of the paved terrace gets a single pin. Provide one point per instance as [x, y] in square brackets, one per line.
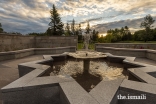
[9, 69]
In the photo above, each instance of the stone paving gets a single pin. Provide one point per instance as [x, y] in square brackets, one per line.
[9, 70]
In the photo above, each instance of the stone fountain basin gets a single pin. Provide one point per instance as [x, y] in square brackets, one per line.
[87, 55]
[31, 88]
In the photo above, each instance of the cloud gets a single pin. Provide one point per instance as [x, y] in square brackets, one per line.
[133, 25]
[33, 15]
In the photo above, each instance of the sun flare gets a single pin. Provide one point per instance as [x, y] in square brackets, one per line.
[104, 34]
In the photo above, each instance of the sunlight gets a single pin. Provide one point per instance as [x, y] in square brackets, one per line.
[103, 34]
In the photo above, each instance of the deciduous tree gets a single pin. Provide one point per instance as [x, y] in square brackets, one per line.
[147, 24]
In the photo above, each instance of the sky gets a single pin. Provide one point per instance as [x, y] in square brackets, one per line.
[27, 16]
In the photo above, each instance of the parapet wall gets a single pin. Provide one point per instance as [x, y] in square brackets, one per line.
[15, 42]
[128, 45]
[19, 42]
[150, 54]
[51, 42]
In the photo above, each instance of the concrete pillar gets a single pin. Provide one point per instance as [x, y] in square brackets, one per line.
[86, 65]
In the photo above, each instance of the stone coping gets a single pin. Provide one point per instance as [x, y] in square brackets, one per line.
[148, 53]
[54, 48]
[151, 51]
[133, 86]
[126, 43]
[91, 55]
[76, 94]
[34, 49]
[104, 92]
[125, 49]
[143, 75]
[18, 51]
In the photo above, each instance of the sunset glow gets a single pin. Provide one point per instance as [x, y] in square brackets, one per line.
[104, 34]
[27, 16]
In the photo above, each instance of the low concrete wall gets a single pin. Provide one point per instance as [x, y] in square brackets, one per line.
[27, 52]
[16, 42]
[51, 41]
[128, 45]
[150, 54]
[57, 50]
[16, 54]
[43, 95]
[123, 51]
[134, 89]
[19, 42]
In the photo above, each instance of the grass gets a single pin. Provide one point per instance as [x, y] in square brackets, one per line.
[91, 46]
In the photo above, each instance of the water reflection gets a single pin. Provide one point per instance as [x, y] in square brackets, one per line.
[100, 69]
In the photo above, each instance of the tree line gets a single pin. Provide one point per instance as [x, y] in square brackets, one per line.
[124, 34]
[57, 28]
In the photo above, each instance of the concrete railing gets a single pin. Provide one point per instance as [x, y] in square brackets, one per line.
[150, 54]
[34, 51]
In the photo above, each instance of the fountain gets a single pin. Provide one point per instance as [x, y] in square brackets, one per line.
[86, 40]
[87, 67]
[86, 56]
[88, 73]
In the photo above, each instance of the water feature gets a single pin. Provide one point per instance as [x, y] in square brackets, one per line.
[87, 67]
[86, 56]
[99, 69]
[86, 40]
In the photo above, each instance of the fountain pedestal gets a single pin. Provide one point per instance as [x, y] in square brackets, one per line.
[86, 56]
[86, 65]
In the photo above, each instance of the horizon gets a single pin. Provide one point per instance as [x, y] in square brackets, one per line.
[27, 16]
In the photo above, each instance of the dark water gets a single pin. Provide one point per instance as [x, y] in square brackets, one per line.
[86, 80]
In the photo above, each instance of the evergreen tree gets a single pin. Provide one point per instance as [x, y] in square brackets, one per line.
[1, 29]
[79, 32]
[95, 36]
[56, 26]
[67, 28]
[73, 27]
[88, 28]
[127, 35]
[122, 33]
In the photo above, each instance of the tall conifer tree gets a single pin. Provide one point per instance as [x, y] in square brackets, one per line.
[56, 26]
